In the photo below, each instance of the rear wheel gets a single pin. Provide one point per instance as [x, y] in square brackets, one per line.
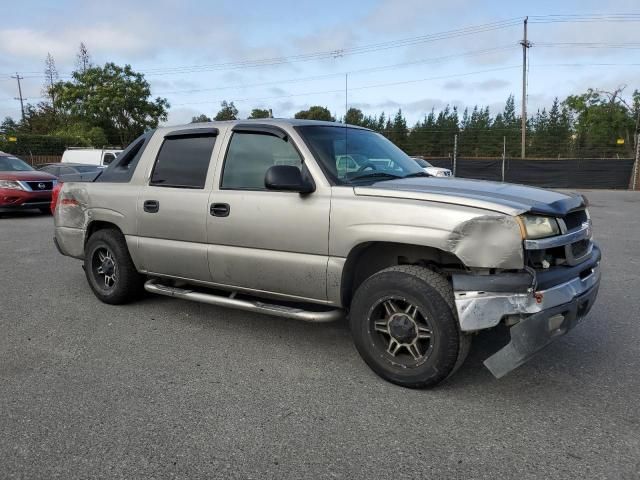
[109, 269]
[404, 326]
[45, 210]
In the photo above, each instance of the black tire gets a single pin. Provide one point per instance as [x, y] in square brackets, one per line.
[127, 284]
[412, 361]
[45, 210]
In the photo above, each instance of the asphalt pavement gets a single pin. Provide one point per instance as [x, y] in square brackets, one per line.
[165, 388]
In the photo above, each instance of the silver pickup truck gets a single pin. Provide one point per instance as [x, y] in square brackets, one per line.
[261, 216]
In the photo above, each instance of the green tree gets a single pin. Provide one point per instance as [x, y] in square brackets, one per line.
[40, 119]
[200, 118]
[380, 123]
[8, 125]
[116, 99]
[509, 128]
[398, 132]
[260, 113]
[228, 111]
[354, 116]
[601, 118]
[316, 112]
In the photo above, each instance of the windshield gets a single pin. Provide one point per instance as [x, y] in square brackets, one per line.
[13, 164]
[422, 163]
[353, 155]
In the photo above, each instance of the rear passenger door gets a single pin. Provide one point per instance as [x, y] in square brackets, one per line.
[173, 206]
[263, 240]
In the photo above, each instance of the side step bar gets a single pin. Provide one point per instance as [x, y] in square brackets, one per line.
[247, 305]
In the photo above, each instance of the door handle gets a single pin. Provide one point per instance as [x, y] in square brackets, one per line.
[151, 206]
[220, 209]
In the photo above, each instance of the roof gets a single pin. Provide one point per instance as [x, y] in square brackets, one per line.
[277, 122]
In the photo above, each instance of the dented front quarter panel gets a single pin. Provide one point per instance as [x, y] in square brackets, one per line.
[479, 238]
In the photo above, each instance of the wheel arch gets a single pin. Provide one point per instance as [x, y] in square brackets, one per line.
[367, 258]
[96, 225]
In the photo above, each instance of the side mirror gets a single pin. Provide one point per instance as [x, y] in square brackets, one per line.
[287, 178]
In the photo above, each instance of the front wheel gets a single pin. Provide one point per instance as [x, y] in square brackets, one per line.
[404, 326]
[109, 269]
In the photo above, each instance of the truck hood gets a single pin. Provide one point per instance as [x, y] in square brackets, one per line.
[505, 198]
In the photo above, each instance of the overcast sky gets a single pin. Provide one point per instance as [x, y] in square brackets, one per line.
[180, 45]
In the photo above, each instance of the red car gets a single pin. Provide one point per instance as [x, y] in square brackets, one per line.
[22, 187]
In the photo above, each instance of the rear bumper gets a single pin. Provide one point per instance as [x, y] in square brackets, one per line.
[541, 307]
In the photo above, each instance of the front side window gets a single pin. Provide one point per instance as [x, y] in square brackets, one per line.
[183, 162]
[249, 157]
[353, 155]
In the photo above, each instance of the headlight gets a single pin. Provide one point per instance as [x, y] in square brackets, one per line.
[10, 184]
[539, 227]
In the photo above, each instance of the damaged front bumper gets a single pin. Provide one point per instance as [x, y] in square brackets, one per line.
[540, 307]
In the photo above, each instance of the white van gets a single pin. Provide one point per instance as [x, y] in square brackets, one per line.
[90, 156]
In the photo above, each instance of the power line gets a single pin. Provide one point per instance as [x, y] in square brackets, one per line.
[350, 72]
[364, 87]
[580, 18]
[409, 41]
[328, 54]
[630, 45]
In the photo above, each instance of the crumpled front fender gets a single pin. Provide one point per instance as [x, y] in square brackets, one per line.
[488, 241]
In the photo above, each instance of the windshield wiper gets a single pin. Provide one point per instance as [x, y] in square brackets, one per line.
[384, 175]
[417, 174]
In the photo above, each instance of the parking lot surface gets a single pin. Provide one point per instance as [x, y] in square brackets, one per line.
[170, 389]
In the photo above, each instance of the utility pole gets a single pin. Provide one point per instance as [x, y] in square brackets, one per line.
[635, 163]
[18, 78]
[455, 153]
[504, 154]
[525, 46]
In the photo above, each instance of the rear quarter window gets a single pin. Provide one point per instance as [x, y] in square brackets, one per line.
[122, 168]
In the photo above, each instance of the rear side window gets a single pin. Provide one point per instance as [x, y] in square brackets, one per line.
[122, 168]
[183, 162]
[249, 157]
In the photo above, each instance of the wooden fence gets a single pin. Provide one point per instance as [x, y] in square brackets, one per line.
[35, 160]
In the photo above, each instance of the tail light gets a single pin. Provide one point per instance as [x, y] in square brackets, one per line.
[54, 196]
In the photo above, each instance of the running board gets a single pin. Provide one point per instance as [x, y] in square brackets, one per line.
[247, 305]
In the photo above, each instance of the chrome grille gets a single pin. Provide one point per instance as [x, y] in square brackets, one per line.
[574, 220]
[41, 186]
